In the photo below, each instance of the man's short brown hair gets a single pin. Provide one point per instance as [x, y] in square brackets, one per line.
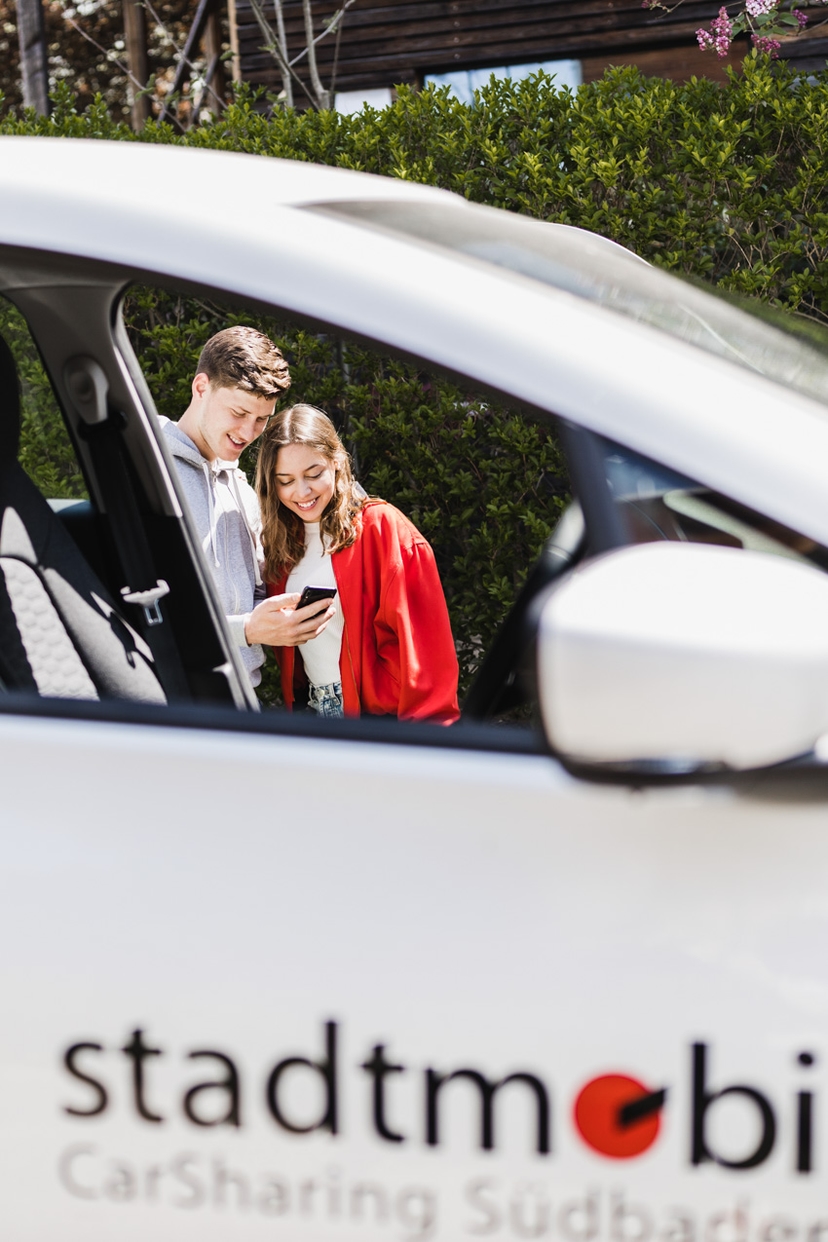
[241, 357]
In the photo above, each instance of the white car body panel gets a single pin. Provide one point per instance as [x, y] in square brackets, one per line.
[458, 940]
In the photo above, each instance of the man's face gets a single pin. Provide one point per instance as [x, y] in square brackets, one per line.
[226, 420]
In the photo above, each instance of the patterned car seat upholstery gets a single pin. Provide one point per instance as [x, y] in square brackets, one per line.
[61, 634]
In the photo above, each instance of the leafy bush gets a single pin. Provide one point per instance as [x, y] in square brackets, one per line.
[45, 448]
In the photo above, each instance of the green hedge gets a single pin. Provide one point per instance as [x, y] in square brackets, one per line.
[45, 449]
[727, 184]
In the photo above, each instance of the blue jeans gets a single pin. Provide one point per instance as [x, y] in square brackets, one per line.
[326, 700]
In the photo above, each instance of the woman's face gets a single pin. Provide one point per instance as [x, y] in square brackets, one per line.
[305, 480]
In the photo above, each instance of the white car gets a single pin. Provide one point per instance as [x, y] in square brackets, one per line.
[268, 976]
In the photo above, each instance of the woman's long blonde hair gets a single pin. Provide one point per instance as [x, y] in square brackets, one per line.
[283, 531]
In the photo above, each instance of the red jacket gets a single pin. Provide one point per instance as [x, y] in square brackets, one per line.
[397, 656]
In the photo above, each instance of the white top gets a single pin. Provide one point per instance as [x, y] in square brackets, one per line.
[320, 655]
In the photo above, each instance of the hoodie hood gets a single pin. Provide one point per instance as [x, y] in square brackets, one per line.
[217, 472]
[225, 511]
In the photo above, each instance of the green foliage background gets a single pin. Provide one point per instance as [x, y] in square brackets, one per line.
[45, 448]
[727, 184]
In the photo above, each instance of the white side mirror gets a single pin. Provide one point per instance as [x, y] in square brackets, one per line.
[685, 654]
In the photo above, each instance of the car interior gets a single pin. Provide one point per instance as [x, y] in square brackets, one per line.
[61, 633]
[110, 575]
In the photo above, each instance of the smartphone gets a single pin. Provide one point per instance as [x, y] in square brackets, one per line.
[314, 595]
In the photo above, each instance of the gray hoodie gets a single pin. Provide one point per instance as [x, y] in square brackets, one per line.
[226, 514]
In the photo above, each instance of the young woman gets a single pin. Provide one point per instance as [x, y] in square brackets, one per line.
[388, 650]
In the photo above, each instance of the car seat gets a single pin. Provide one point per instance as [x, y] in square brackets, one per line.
[61, 634]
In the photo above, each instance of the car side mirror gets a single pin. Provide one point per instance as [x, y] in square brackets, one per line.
[685, 656]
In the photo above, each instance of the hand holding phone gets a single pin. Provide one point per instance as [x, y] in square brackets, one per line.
[315, 595]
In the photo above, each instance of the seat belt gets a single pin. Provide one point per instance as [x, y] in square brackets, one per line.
[102, 429]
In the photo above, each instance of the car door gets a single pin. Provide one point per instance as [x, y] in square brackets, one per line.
[359, 979]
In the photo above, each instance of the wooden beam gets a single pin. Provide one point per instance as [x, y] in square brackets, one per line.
[680, 64]
[215, 85]
[232, 19]
[34, 62]
[135, 37]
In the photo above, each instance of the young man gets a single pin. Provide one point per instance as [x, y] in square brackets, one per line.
[239, 376]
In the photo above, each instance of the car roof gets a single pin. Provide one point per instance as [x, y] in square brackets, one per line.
[44, 178]
[278, 232]
[98, 170]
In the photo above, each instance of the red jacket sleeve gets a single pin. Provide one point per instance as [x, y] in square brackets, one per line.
[414, 610]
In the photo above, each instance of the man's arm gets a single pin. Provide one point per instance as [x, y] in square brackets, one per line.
[238, 623]
[277, 622]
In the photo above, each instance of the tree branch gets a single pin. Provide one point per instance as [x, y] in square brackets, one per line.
[141, 86]
[183, 58]
[287, 84]
[322, 98]
[272, 46]
[332, 25]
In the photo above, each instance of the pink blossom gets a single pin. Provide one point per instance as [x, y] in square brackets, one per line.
[757, 8]
[800, 17]
[763, 44]
[720, 35]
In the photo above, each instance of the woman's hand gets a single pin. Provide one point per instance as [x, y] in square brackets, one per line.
[277, 622]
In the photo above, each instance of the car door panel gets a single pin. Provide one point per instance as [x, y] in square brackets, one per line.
[483, 912]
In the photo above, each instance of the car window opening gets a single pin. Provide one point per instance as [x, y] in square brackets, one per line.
[488, 487]
[484, 484]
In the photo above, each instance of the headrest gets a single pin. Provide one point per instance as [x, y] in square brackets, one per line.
[9, 406]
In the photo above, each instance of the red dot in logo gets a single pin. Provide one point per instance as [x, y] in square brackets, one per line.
[618, 1116]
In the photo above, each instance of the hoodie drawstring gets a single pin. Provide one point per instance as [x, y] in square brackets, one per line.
[212, 536]
[254, 545]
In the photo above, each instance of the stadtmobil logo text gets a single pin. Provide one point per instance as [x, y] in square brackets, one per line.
[617, 1115]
